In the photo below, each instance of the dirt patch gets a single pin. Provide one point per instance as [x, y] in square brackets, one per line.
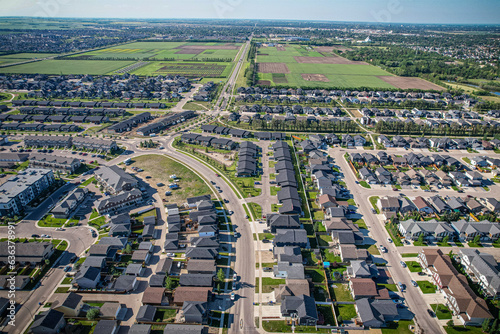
[280, 48]
[273, 68]
[333, 59]
[227, 46]
[267, 256]
[264, 83]
[314, 77]
[226, 159]
[409, 83]
[331, 48]
[189, 51]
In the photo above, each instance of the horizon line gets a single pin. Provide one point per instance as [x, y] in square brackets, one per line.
[253, 19]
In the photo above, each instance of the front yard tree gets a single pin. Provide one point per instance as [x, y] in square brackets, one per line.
[421, 239]
[446, 239]
[92, 313]
[476, 239]
[220, 275]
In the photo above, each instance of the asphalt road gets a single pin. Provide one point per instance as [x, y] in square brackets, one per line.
[413, 296]
[79, 239]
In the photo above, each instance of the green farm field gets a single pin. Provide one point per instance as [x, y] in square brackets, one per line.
[166, 50]
[67, 67]
[188, 69]
[300, 65]
[20, 57]
[28, 55]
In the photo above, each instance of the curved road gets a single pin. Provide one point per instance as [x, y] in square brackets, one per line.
[241, 310]
[79, 239]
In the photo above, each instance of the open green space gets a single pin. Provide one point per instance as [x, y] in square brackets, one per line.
[52, 66]
[400, 327]
[442, 311]
[50, 221]
[160, 168]
[341, 293]
[426, 286]
[414, 266]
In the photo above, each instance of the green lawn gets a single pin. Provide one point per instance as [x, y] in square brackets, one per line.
[341, 293]
[426, 286]
[442, 311]
[165, 315]
[474, 245]
[409, 255]
[364, 184]
[256, 210]
[316, 275]
[400, 327]
[413, 266]
[373, 201]
[361, 223]
[94, 214]
[280, 326]
[50, 221]
[97, 222]
[269, 283]
[390, 287]
[267, 236]
[62, 289]
[86, 182]
[328, 256]
[372, 249]
[324, 240]
[274, 190]
[346, 311]
[463, 330]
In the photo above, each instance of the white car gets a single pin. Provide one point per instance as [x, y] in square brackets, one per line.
[389, 240]
[232, 295]
[235, 277]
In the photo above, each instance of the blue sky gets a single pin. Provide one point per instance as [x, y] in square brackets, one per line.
[391, 11]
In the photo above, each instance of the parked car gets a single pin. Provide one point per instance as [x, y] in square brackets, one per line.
[402, 264]
[232, 295]
[67, 268]
[414, 283]
[73, 259]
[35, 236]
[431, 313]
[389, 240]
[235, 277]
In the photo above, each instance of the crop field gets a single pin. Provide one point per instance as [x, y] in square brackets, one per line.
[302, 65]
[166, 51]
[191, 70]
[67, 67]
[19, 57]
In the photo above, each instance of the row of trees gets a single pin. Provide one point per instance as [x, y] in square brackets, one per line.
[410, 128]
[303, 125]
[406, 62]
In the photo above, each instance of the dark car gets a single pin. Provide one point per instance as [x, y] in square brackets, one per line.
[431, 313]
[35, 236]
[73, 259]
